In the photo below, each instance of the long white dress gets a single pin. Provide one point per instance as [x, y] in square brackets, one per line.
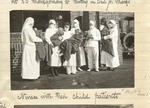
[30, 67]
[111, 61]
[71, 64]
[56, 60]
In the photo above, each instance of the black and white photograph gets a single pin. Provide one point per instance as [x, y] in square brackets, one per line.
[74, 106]
[71, 50]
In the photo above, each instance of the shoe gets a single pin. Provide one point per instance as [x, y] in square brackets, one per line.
[89, 70]
[112, 69]
[102, 65]
[79, 69]
[53, 74]
[73, 73]
[68, 73]
[102, 69]
[56, 73]
[96, 70]
[108, 68]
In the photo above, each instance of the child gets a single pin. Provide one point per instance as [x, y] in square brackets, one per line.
[71, 45]
[57, 38]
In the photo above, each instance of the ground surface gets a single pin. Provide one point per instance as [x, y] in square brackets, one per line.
[122, 77]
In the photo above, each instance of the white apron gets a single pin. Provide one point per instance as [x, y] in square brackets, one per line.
[106, 58]
[56, 60]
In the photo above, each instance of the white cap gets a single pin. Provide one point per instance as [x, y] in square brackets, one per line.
[92, 23]
[52, 21]
[76, 21]
[113, 22]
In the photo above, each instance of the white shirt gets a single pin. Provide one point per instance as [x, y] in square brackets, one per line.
[96, 37]
[48, 33]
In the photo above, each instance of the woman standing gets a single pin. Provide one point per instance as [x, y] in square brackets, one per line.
[112, 61]
[30, 67]
[55, 58]
[71, 64]
[106, 44]
[81, 54]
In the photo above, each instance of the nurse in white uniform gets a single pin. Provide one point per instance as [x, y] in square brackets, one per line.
[71, 64]
[30, 66]
[55, 58]
[113, 62]
[81, 60]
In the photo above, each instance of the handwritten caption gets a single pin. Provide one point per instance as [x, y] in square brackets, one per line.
[74, 96]
[138, 93]
[103, 95]
[68, 2]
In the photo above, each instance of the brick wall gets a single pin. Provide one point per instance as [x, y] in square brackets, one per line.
[16, 53]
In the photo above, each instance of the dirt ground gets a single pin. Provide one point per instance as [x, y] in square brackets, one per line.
[122, 77]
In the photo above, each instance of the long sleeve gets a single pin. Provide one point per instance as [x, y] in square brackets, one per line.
[97, 37]
[72, 31]
[113, 34]
[104, 32]
[47, 37]
[33, 36]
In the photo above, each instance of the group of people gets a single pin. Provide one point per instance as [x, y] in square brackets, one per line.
[70, 47]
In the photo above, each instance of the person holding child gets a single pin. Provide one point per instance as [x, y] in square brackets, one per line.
[71, 63]
[80, 56]
[55, 58]
[112, 61]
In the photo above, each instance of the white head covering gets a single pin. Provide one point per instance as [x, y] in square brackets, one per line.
[78, 24]
[26, 24]
[114, 23]
[52, 21]
[92, 23]
[114, 28]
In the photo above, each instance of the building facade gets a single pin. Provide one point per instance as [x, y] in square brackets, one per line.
[17, 18]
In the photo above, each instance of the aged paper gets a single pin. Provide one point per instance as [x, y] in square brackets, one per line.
[82, 93]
